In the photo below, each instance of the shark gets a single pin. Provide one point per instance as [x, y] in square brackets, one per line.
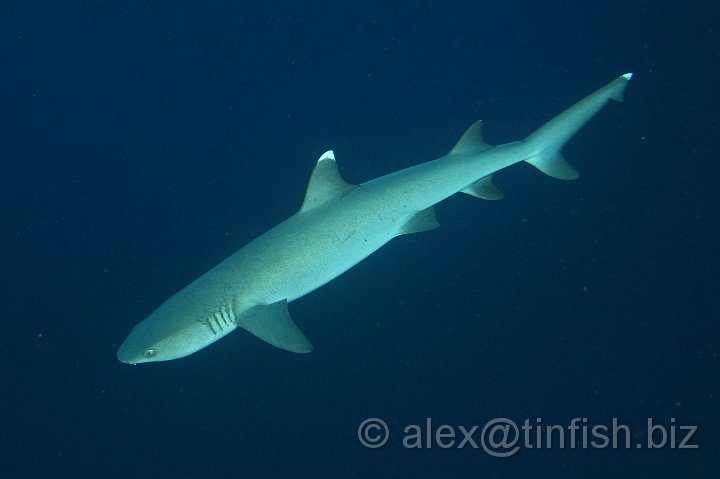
[338, 225]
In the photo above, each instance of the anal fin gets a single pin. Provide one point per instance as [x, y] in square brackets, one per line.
[555, 165]
[485, 189]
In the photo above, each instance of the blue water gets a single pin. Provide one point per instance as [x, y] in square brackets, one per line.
[143, 142]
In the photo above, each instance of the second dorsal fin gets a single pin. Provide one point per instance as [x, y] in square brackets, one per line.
[472, 141]
[325, 183]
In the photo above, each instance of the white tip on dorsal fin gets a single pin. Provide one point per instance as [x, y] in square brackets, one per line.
[471, 141]
[325, 183]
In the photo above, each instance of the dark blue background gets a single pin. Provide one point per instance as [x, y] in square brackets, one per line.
[143, 142]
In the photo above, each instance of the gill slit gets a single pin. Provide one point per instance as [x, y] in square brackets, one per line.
[220, 319]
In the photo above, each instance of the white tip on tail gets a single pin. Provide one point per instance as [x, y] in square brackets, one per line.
[547, 141]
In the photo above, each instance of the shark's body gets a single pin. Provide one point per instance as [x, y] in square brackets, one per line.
[338, 226]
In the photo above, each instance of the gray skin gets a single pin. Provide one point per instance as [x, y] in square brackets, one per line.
[338, 226]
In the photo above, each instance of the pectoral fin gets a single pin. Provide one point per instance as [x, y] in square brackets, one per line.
[272, 323]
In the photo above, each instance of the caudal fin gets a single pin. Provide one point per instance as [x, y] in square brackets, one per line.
[547, 141]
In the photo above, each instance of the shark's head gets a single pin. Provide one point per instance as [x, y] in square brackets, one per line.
[161, 337]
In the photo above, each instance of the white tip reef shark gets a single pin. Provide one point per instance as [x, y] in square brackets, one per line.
[339, 225]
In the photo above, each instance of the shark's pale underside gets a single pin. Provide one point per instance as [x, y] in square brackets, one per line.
[339, 225]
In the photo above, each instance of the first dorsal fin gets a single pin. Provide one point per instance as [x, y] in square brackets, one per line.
[325, 183]
[471, 141]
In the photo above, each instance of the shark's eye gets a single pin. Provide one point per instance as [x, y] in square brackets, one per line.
[149, 353]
